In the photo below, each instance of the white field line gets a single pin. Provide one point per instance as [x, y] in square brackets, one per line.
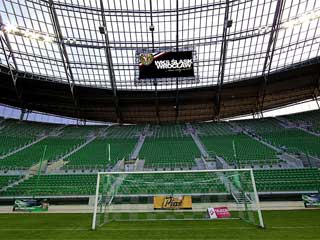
[154, 229]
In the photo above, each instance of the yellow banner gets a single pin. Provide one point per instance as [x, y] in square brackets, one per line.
[169, 202]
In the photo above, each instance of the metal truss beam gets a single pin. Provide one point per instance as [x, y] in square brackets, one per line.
[222, 61]
[64, 54]
[154, 80]
[177, 49]
[269, 56]
[83, 8]
[110, 64]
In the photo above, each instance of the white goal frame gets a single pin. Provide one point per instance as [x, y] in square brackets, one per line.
[250, 170]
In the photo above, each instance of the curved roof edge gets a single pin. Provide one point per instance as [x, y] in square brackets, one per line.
[199, 104]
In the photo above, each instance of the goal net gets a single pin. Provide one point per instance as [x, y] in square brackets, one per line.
[176, 195]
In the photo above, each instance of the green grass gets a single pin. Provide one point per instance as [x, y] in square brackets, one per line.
[303, 224]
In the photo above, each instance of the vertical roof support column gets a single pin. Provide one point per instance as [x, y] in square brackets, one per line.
[316, 90]
[269, 56]
[222, 61]
[63, 53]
[110, 64]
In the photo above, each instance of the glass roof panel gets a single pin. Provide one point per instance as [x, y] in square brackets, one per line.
[198, 27]
[301, 41]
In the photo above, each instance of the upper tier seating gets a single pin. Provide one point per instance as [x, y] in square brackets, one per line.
[169, 152]
[81, 131]
[167, 131]
[24, 128]
[212, 129]
[169, 146]
[124, 131]
[312, 119]
[165, 146]
[16, 134]
[289, 139]
[96, 153]
[49, 149]
[240, 149]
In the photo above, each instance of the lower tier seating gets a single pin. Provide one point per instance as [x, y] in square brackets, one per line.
[279, 180]
[6, 180]
[49, 185]
[307, 179]
[179, 183]
[169, 152]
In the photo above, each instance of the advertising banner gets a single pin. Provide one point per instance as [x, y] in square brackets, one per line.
[219, 212]
[312, 200]
[166, 65]
[30, 205]
[171, 202]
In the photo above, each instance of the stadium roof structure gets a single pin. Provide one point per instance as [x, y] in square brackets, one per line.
[79, 58]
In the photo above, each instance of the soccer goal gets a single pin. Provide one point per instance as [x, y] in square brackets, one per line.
[176, 195]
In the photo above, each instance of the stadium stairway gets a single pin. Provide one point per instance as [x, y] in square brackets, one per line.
[197, 141]
[201, 163]
[309, 161]
[221, 163]
[205, 161]
[139, 165]
[54, 166]
[119, 166]
[137, 148]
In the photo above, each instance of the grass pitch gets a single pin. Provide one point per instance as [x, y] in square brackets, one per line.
[289, 225]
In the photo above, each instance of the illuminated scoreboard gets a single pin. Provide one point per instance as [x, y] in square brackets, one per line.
[165, 66]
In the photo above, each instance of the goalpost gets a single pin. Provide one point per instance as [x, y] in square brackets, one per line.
[176, 195]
